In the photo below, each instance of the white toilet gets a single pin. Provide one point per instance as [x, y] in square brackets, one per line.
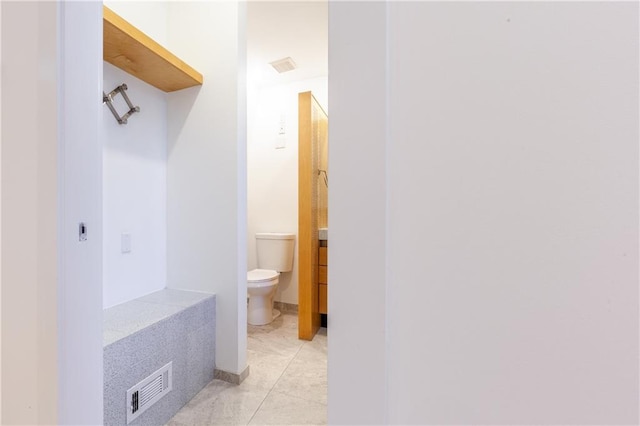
[275, 255]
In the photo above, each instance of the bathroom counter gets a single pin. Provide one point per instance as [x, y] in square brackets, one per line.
[130, 317]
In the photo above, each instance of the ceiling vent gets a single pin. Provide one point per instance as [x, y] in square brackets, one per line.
[283, 65]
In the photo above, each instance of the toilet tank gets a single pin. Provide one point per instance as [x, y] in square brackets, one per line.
[275, 251]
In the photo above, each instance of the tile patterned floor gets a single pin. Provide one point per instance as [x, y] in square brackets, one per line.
[287, 384]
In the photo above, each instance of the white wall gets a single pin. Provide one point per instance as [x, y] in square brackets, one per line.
[0, 221]
[80, 162]
[135, 190]
[51, 180]
[150, 17]
[510, 193]
[206, 177]
[357, 214]
[29, 229]
[273, 173]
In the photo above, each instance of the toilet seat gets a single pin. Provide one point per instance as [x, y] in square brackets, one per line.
[262, 277]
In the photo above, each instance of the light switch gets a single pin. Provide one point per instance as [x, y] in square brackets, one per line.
[283, 125]
[281, 138]
[125, 243]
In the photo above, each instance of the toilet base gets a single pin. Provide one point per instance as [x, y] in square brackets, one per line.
[260, 310]
[276, 314]
[263, 319]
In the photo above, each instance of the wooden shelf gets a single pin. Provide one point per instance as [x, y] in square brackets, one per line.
[131, 50]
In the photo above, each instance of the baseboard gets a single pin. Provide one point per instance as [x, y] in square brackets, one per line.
[233, 378]
[286, 308]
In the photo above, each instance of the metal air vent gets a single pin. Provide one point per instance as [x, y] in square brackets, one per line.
[283, 65]
[147, 392]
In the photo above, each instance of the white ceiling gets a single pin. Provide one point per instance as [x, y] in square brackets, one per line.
[275, 30]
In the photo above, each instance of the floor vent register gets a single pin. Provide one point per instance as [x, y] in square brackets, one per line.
[148, 391]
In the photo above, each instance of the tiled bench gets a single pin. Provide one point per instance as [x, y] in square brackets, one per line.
[143, 335]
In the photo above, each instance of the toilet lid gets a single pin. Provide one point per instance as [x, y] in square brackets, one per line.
[261, 275]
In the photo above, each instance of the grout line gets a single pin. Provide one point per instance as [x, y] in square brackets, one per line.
[276, 382]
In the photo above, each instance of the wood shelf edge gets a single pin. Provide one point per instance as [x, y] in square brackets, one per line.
[131, 50]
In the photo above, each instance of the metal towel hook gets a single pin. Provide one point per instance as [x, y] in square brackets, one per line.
[108, 99]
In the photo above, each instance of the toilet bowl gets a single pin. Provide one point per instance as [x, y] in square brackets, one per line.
[261, 287]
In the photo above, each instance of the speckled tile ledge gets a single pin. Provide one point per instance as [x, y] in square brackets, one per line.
[142, 335]
[127, 318]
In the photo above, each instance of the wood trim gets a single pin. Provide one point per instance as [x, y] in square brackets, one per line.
[131, 50]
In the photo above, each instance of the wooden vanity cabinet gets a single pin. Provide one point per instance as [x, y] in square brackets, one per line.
[322, 279]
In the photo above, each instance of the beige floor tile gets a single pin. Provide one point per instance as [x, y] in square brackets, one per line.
[287, 383]
[236, 405]
[274, 344]
[282, 409]
[220, 403]
[305, 377]
[313, 353]
[266, 369]
[320, 340]
[210, 392]
[280, 337]
[198, 410]
[286, 323]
